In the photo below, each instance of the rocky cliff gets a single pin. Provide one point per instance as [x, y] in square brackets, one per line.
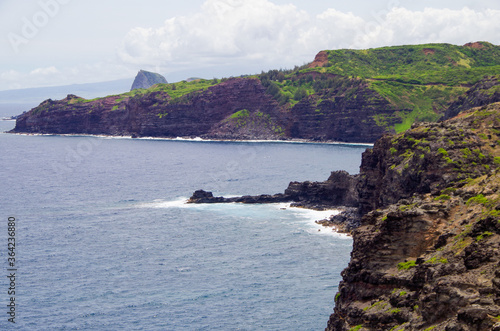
[239, 108]
[482, 93]
[227, 110]
[426, 255]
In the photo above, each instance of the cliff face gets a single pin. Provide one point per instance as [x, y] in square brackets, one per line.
[236, 109]
[484, 92]
[154, 114]
[342, 118]
[426, 255]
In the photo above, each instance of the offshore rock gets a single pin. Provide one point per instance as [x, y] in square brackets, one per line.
[338, 190]
[146, 79]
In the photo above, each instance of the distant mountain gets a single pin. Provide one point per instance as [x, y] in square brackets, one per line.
[146, 79]
[91, 90]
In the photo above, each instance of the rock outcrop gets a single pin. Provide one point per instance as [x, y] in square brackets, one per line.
[482, 93]
[146, 79]
[337, 191]
[426, 255]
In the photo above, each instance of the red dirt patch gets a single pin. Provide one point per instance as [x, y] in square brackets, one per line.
[476, 45]
[320, 60]
[429, 51]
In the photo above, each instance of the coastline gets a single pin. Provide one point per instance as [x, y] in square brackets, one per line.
[199, 139]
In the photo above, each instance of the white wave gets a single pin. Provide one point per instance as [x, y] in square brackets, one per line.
[300, 217]
[165, 204]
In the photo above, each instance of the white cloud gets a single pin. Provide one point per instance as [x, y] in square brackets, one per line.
[45, 71]
[233, 37]
[441, 25]
[241, 32]
[223, 29]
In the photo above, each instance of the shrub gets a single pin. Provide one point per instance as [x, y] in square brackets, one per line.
[478, 199]
[406, 265]
[442, 197]
[443, 152]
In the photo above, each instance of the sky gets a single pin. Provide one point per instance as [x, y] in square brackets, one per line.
[61, 42]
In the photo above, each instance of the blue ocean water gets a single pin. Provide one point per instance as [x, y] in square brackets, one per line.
[106, 242]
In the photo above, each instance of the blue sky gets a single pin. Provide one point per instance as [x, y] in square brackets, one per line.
[59, 42]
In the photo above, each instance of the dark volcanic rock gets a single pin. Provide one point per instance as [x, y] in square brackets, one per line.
[202, 196]
[202, 114]
[482, 93]
[348, 119]
[426, 255]
[146, 79]
[338, 190]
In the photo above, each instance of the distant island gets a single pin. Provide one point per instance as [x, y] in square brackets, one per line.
[343, 95]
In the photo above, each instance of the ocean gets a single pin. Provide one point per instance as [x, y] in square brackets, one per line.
[105, 241]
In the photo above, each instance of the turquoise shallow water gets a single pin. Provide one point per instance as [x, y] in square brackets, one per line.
[105, 241]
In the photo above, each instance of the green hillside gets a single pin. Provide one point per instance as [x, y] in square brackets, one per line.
[420, 78]
[419, 81]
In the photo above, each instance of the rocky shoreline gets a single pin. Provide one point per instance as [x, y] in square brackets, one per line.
[337, 192]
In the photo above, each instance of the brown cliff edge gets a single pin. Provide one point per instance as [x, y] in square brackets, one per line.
[426, 255]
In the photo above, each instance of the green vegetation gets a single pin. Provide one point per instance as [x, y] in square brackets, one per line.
[241, 114]
[356, 328]
[379, 305]
[406, 265]
[417, 82]
[435, 260]
[483, 235]
[478, 199]
[417, 64]
[442, 197]
[420, 78]
[443, 152]
[404, 208]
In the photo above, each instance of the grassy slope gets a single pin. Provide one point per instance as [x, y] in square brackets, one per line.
[420, 80]
[423, 78]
